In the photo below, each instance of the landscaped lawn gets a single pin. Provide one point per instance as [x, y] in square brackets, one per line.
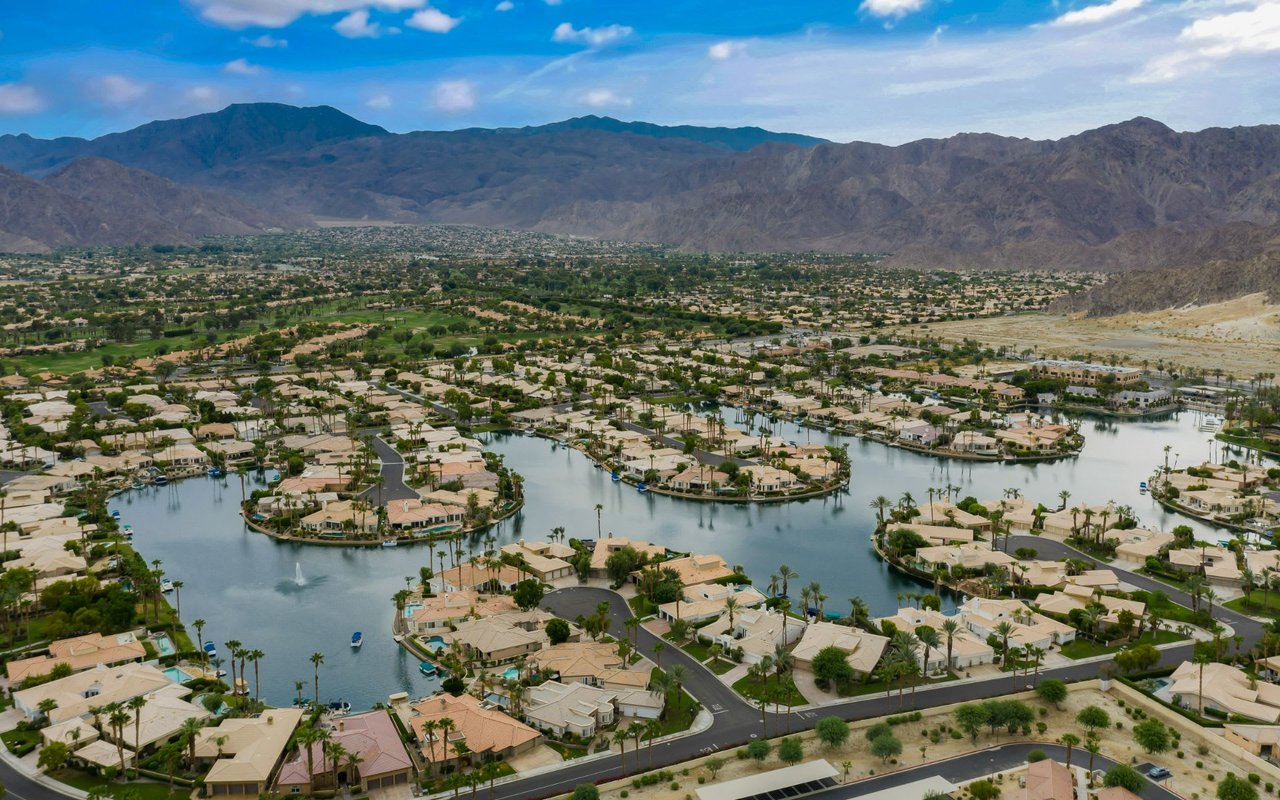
[856, 689]
[567, 753]
[774, 690]
[679, 714]
[136, 790]
[1254, 605]
[1087, 648]
[641, 606]
[20, 742]
[720, 665]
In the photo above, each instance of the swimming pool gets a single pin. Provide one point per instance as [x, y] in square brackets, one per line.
[435, 643]
[409, 609]
[163, 645]
[177, 675]
[511, 673]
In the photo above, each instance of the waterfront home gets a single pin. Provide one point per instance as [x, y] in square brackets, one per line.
[755, 631]
[546, 561]
[704, 601]
[100, 686]
[503, 637]
[863, 649]
[698, 568]
[934, 534]
[592, 663]
[415, 515]
[968, 649]
[700, 478]
[1226, 689]
[341, 517]
[1262, 563]
[608, 546]
[441, 611]
[1068, 522]
[487, 733]
[1085, 373]
[377, 758]
[576, 708]
[477, 575]
[1138, 544]
[982, 616]
[159, 721]
[1216, 563]
[181, 455]
[246, 752]
[79, 653]
[940, 512]
[979, 444]
[974, 556]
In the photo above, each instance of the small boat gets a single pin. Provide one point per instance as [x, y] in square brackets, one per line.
[427, 668]
[161, 480]
[339, 707]
[166, 585]
[127, 530]
[390, 543]
[210, 650]
[214, 472]
[357, 639]
[137, 487]
[115, 514]
[642, 487]
[1142, 485]
[615, 477]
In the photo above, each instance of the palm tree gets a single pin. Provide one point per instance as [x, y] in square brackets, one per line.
[599, 511]
[950, 627]
[135, 704]
[929, 640]
[1070, 740]
[233, 646]
[1201, 659]
[199, 626]
[118, 717]
[786, 573]
[187, 733]
[880, 505]
[316, 660]
[256, 656]
[730, 606]
[620, 737]
[1004, 630]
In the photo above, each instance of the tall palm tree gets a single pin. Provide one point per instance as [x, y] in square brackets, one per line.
[929, 641]
[950, 628]
[730, 606]
[135, 704]
[316, 660]
[233, 647]
[1004, 630]
[858, 609]
[256, 657]
[1070, 740]
[786, 573]
[199, 626]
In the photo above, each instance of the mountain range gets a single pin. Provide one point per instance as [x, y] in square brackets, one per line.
[1134, 195]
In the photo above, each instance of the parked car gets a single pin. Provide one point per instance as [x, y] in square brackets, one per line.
[1158, 773]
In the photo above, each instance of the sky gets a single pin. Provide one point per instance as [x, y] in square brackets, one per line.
[874, 70]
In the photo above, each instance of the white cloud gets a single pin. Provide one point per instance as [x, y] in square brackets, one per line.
[454, 97]
[357, 25]
[553, 2]
[203, 98]
[505, 5]
[241, 67]
[118, 90]
[267, 41]
[279, 13]
[433, 20]
[891, 8]
[19, 98]
[1099, 13]
[1210, 40]
[723, 51]
[379, 102]
[605, 98]
[592, 37]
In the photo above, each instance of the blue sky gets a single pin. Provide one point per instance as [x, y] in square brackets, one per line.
[877, 70]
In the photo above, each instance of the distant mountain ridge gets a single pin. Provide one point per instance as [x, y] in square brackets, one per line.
[1133, 195]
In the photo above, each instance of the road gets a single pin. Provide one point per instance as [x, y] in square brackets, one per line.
[393, 485]
[963, 769]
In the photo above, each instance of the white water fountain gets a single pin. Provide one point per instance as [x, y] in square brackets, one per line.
[297, 574]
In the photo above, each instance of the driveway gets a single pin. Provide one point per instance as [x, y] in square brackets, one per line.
[393, 485]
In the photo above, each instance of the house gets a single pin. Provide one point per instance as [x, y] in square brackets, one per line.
[592, 663]
[1047, 780]
[1262, 741]
[246, 752]
[968, 649]
[440, 611]
[756, 631]
[160, 720]
[698, 568]
[487, 733]
[1030, 629]
[863, 649]
[612, 544]
[546, 561]
[1226, 689]
[380, 759]
[504, 637]
[703, 601]
[1216, 563]
[75, 694]
[975, 556]
[79, 653]
[561, 708]
[934, 534]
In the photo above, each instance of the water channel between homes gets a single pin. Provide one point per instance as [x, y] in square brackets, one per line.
[245, 586]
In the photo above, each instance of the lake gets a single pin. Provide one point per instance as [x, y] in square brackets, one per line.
[243, 583]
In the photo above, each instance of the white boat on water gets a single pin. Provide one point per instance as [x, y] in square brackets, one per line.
[166, 585]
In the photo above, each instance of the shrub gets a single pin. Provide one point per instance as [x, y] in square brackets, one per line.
[1036, 755]
[586, 791]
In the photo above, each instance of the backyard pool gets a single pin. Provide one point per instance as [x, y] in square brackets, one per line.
[177, 675]
[511, 673]
[164, 646]
[435, 643]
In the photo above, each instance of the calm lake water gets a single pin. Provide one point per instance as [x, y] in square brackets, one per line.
[243, 583]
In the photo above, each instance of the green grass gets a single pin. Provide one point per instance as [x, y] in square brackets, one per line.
[720, 666]
[641, 606]
[20, 742]
[857, 689]
[1087, 648]
[782, 691]
[679, 713]
[566, 752]
[696, 649]
[1254, 605]
[137, 790]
